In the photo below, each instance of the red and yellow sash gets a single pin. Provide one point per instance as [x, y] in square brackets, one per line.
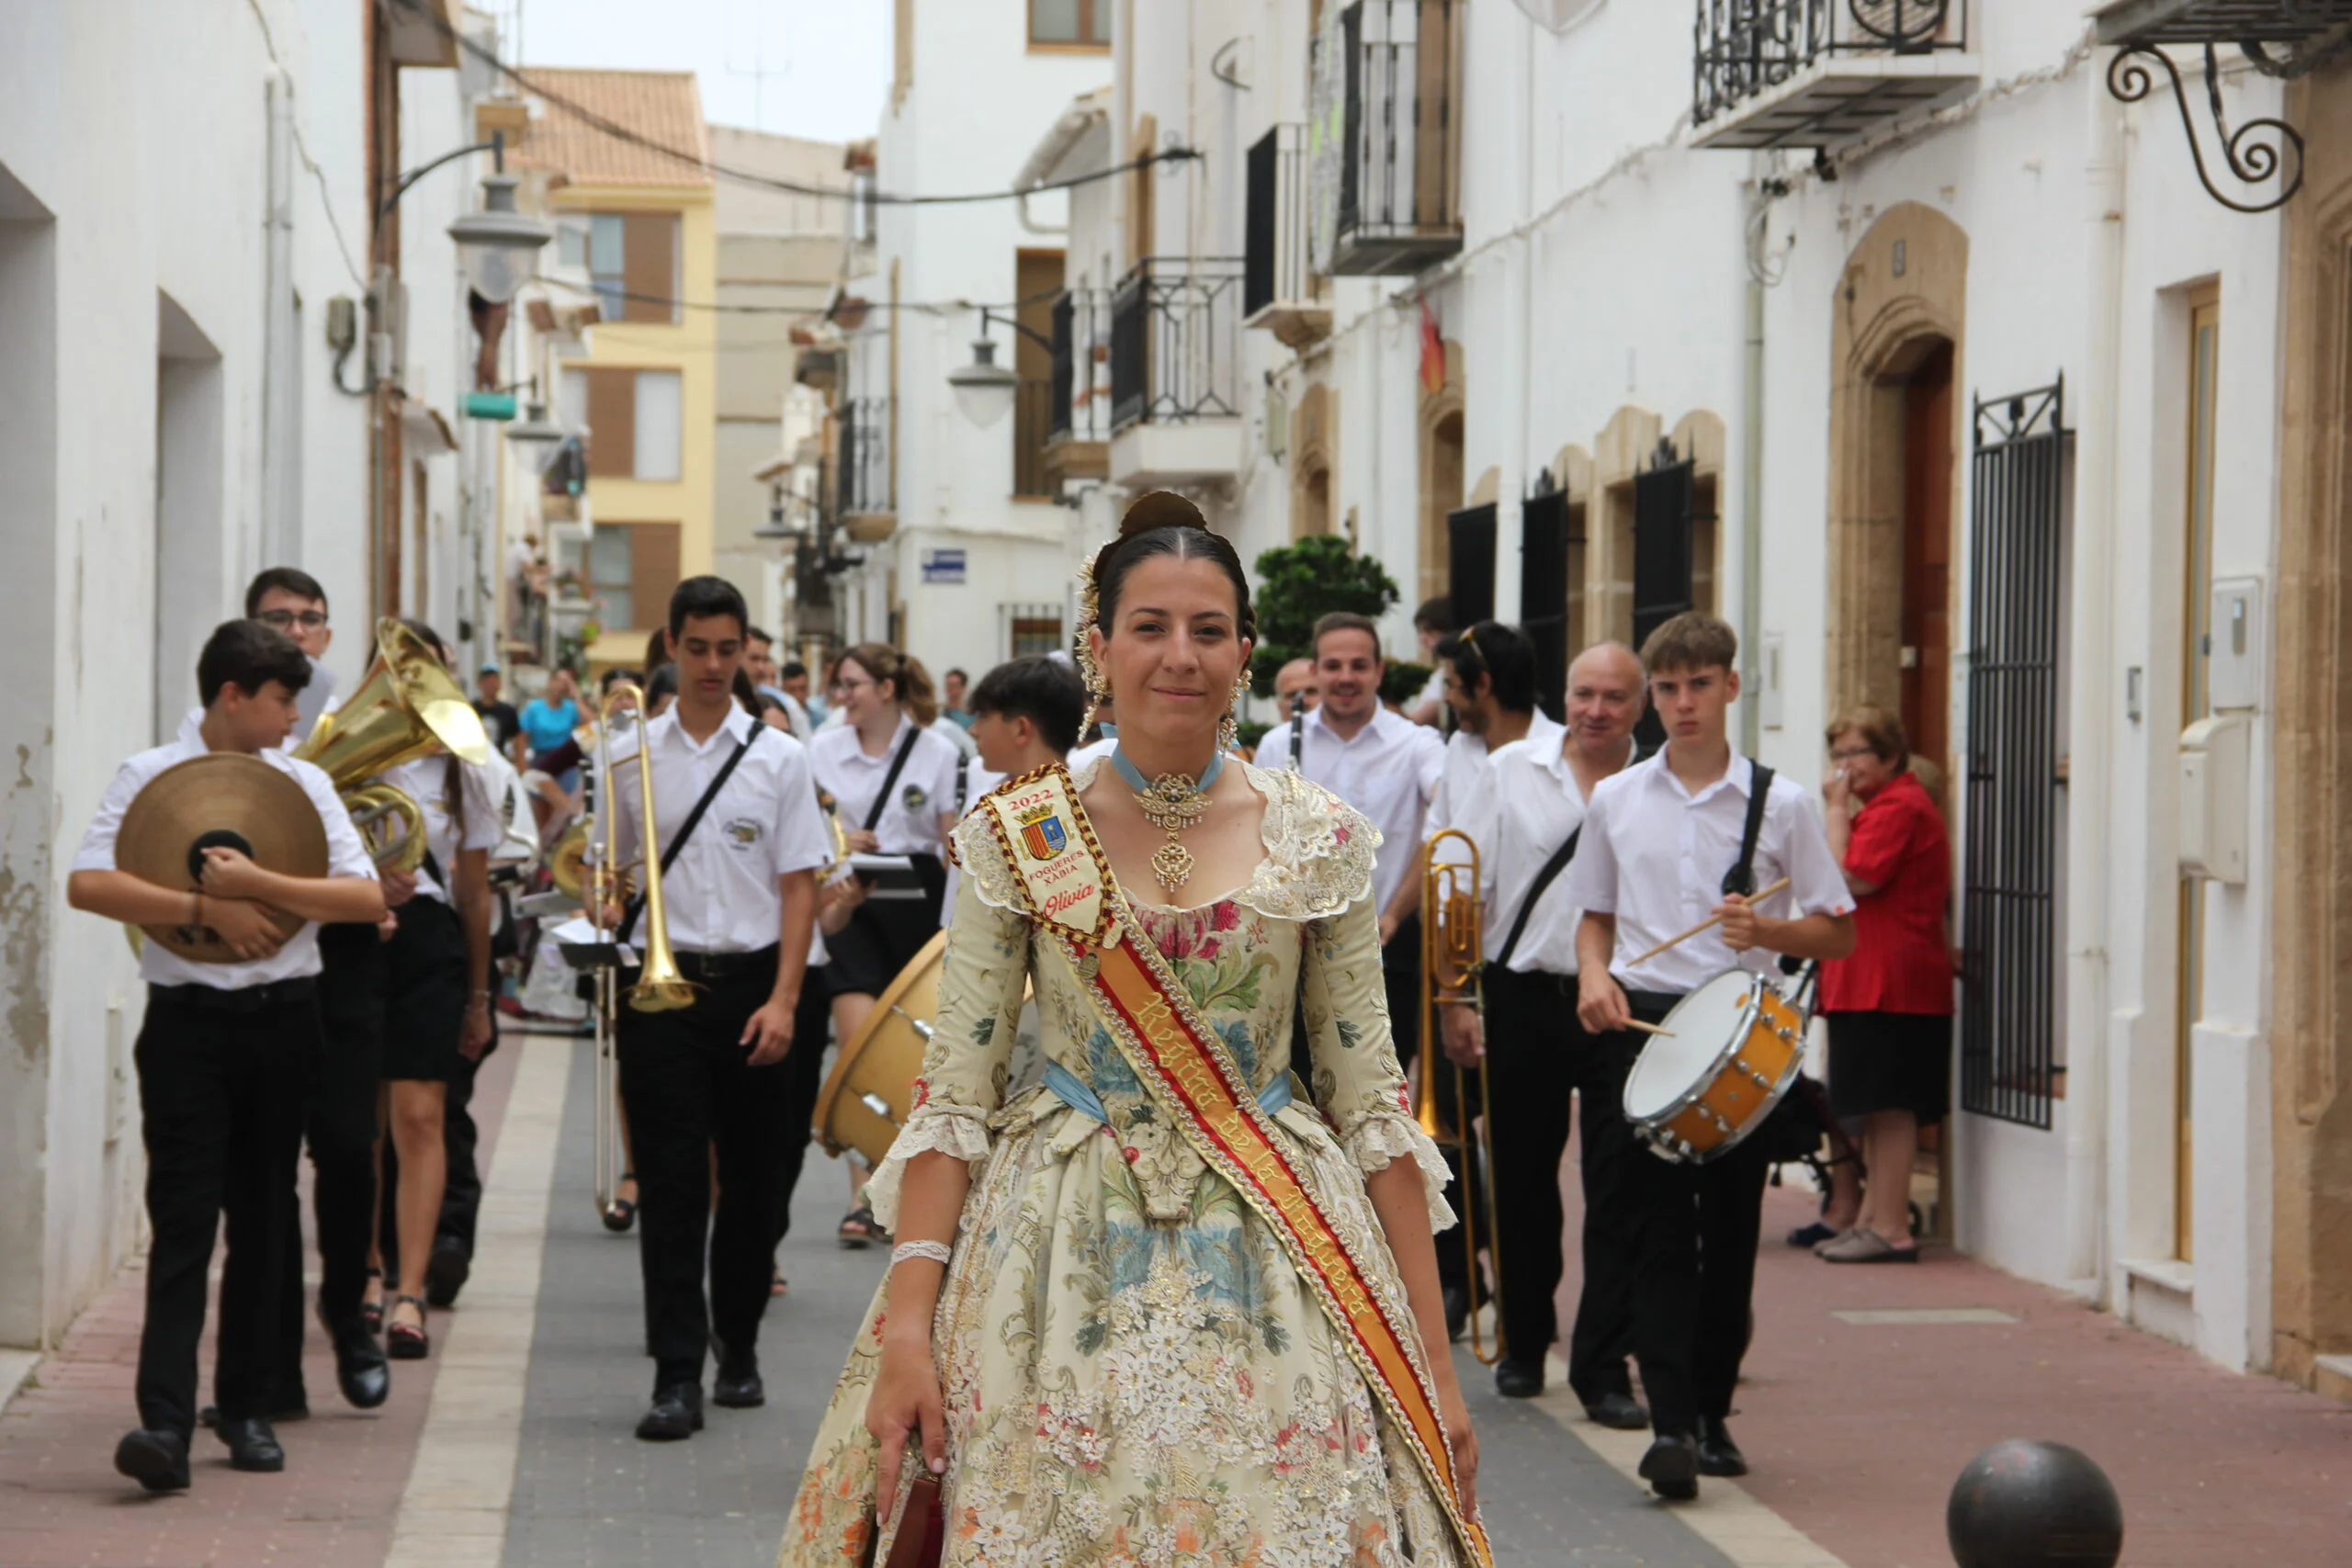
[1068, 892]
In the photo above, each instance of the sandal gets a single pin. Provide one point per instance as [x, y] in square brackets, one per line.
[408, 1341]
[776, 1285]
[859, 1228]
[621, 1212]
[371, 1309]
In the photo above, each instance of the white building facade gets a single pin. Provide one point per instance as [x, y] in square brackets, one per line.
[1986, 412]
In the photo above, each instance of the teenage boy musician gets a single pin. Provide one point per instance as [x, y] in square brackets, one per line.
[740, 836]
[1669, 842]
[225, 1060]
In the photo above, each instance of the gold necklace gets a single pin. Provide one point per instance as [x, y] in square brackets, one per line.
[1171, 803]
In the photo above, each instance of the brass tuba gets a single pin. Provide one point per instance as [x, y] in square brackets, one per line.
[1452, 954]
[407, 707]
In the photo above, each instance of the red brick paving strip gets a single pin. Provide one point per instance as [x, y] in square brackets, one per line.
[1856, 1433]
[62, 1503]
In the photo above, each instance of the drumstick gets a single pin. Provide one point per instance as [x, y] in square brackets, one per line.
[1648, 1028]
[1708, 924]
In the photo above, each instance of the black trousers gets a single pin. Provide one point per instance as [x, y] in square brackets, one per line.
[222, 1083]
[1691, 1231]
[690, 1088]
[462, 1191]
[339, 1120]
[804, 1072]
[1532, 1044]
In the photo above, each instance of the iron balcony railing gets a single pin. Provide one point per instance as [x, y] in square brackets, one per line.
[866, 456]
[1749, 47]
[1274, 223]
[1384, 141]
[1080, 377]
[1175, 341]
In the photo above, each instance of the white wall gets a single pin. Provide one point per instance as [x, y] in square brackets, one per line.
[126, 206]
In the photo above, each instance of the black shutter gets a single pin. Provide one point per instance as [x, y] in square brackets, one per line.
[1257, 227]
[1543, 594]
[1470, 563]
[1663, 495]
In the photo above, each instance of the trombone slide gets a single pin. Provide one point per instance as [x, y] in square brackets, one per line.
[1453, 955]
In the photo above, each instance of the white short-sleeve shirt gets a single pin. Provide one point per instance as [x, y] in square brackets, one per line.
[1654, 856]
[1388, 769]
[1466, 756]
[158, 964]
[1520, 809]
[478, 824]
[721, 892]
[924, 791]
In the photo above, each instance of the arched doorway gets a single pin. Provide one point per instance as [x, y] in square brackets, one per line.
[1894, 445]
[1313, 442]
[1441, 468]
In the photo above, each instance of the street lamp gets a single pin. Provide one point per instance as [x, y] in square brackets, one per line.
[984, 389]
[497, 246]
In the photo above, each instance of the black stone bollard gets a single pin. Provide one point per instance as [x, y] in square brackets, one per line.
[2034, 1504]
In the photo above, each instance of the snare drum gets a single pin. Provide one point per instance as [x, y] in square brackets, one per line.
[1732, 1049]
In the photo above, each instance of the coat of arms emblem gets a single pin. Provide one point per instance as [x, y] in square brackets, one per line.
[1043, 833]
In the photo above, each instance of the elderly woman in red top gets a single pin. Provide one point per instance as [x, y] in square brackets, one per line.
[1890, 1005]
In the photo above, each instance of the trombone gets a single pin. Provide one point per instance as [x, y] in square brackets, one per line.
[1452, 953]
[659, 986]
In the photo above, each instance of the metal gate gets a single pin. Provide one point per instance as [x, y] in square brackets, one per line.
[1543, 593]
[2009, 871]
[1666, 494]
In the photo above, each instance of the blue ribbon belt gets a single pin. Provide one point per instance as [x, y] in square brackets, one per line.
[1071, 1091]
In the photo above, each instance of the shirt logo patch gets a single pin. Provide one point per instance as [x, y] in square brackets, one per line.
[914, 797]
[1043, 833]
[743, 832]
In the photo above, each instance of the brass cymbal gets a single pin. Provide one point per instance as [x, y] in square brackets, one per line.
[222, 797]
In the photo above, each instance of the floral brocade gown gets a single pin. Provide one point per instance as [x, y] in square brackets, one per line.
[1133, 1373]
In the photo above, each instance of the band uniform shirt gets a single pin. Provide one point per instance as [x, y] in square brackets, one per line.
[977, 782]
[1520, 810]
[1388, 772]
[478, 825]
[924, 791]
[1655, 855]
[1466, 756]
[721, 894]
[158, 964]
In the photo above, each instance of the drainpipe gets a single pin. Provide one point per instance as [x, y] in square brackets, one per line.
[2090, 712]
[1751, 509]
[280, 452]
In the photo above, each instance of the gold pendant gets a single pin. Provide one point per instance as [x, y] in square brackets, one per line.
[1172, 865]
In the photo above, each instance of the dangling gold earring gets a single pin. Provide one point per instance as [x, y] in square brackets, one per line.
[1228, 729]
[1096, 697]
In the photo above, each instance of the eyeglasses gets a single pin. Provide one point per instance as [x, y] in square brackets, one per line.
[287, 620]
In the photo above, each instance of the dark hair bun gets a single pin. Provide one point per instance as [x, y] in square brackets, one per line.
[1160, 509]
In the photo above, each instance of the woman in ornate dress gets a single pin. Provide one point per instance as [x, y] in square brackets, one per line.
[1157, 1310]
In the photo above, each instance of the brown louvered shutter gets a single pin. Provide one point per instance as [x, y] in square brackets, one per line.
[612, 422]
[648, 266]
[653, 572]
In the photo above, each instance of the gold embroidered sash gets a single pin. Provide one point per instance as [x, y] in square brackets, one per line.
[1068, 893]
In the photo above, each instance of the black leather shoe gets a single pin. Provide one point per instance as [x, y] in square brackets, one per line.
[1671, 1467]
[156, 1460]
[1519, 1379]
[360, 1368]
[446, 1271]
[737, 1384]
[296, 1409]
[251, 1445]
[676, 1413]
[1718, 1455]
[1618, 1412]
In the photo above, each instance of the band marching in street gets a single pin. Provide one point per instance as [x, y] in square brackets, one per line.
[1561, 913]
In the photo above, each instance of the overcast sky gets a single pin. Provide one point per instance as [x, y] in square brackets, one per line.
[817, 68]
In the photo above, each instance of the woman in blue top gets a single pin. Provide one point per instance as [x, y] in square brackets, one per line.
[548, 720]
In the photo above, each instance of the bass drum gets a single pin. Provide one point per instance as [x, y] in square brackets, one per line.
[870, 1091]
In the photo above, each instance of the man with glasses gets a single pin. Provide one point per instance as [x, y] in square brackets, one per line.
[290, 600]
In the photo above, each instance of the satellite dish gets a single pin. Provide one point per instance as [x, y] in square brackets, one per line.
[1558, 16]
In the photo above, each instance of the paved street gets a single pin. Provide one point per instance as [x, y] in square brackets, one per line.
[513, 1447]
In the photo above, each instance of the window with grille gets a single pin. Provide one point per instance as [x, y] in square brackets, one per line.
[1032, 628]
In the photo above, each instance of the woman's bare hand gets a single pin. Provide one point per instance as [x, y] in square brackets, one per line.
[1464, 1443]
[905, 1403]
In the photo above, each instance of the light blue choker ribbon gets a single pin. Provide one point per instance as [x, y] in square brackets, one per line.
[1073, 1092]
[1141, 785]
[1171, 803]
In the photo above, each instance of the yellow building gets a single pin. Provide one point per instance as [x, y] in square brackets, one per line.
[637, 236]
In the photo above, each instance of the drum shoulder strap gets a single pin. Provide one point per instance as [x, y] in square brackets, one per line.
[1741, 877]
[897, 766]
[686, 829]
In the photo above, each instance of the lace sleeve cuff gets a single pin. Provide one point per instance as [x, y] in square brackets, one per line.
[1379, 1139]
[949, 1130]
